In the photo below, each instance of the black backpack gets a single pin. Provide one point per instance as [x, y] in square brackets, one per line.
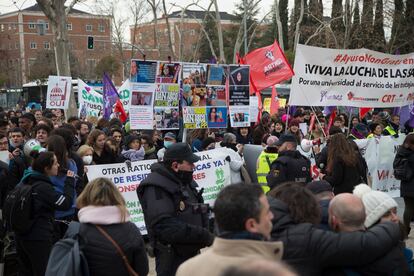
[67, 257]
[17, 208]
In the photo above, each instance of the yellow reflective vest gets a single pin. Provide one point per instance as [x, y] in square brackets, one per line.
[263, 167]
[390, 130]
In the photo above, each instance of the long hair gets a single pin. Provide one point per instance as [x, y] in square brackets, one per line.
[102, 192]
[409, 141]
[339, 147]
[91, 141]
[56, 144]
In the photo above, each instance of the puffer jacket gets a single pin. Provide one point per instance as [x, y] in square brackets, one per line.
[309, 250]
[103, 259]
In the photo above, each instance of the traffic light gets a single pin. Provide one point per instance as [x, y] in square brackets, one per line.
[90, 42]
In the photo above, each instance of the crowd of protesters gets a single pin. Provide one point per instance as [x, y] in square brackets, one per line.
[288, 224]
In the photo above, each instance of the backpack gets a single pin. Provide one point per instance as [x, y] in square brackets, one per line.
[67, 257]
[17, 208]
[402, 170]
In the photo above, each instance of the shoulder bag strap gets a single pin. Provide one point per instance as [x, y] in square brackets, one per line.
[131, 271]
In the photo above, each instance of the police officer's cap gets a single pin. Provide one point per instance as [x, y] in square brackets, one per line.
[286, 138]
[181, 151]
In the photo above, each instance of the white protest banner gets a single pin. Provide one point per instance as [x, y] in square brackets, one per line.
[90, 101]
[254, 108]
[211, 173]
[360, 77]
[125, 94]
[379, 155]
[58, 92]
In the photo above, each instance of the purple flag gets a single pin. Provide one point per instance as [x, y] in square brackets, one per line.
[407, 114]
[110, 96]
[327, 110]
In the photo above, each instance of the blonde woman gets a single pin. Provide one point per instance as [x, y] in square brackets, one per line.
[102, 206]
[86, 153]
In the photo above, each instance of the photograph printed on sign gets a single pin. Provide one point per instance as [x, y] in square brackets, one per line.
[195, 73]
[143, 71]
[168, 72]
[239, 75]
[217, 117]
[217, 74]
[216, 96]
[239, 116]
[166, 118]
[194, 117]
[141, 98]
[166, 95]
[193, 96]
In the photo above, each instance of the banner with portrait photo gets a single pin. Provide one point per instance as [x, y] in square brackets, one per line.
[168, 72]
[58, 92]
[217, 117]
[195, 117]
[143, 71]
[166, 118]
[239, 116]
[141, 106]
[216, 96]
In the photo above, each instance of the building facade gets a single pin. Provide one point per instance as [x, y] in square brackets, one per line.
[185, 32]
[26, 33]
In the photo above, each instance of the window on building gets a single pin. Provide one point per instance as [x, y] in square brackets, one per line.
[46, 45]
[47, 25]
[69, 26]
[89, 28]
[101, 28]
[16, 45]
[33, 45]
[31, 61]
[10, 46]
[10, 26]
[70, 45]
[32, 25]
[140, 36]
[192, 32]
[2, 27]
[90, 67]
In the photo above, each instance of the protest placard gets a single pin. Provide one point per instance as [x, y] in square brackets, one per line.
[141, 106]
[195, 117]
[211, 173]
[58, 92]
[168, 72]
[124, 92]
[143, 71]
[239, 116]
[360, 77]
[90, 101]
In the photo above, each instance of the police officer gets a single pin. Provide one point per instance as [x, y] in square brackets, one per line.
[390, 128]
[264, 161]
[174, 212]
[290, 165]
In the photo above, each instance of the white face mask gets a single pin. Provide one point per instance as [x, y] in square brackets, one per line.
[87, 159]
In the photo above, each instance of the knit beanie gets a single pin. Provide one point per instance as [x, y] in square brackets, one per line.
[376, 203]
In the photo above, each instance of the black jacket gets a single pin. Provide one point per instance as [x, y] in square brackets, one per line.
[407, 187]
[167, 206]
[45, 202]
[290, 165]
[309, 250]
[103, 258]
[344, 178]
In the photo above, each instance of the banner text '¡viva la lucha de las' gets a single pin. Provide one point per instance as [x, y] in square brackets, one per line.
[211, 173]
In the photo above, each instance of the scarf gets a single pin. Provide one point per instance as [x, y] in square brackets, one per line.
[103, 215]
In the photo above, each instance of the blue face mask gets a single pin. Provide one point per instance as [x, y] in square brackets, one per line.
[168, 144]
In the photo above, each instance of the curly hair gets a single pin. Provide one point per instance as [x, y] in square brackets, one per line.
[303, 205]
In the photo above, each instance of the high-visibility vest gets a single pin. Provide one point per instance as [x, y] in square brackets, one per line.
[390, 130]
[370, 135]
[265, 160]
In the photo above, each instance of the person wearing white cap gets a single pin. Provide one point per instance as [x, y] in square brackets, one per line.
[379, 206]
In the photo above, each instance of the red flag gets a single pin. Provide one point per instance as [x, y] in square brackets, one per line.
[363, 111]
[268, 66]
[331, 119]
[312, 122]
[119, 108]
[274, 102]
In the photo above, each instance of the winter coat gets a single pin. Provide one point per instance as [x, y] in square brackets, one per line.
[309, 250]
[45, 201]
[225, 253]
[103, 259]
[407, 187]
[236, 162]
[344, 178]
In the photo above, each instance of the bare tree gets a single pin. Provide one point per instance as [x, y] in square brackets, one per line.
[154, 4]
[279, 24]
[57, 13]
[222, 57]
[297, 29]
[170, 44]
